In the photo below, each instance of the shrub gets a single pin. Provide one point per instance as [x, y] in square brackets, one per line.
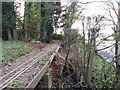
[58, 37]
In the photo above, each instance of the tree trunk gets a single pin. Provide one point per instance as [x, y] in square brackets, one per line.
[15, 35]
[119, 19]
[90, 66]
[9, 35]
[117, 53]
[117, 61]
[25, 22]
[26, 36]
[91, 56]
[26, 33]
[39, 21]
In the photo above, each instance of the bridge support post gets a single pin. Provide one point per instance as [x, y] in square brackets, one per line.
[46, 80]
[50, 78]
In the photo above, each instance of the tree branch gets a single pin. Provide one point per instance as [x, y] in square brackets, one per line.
[105, 48]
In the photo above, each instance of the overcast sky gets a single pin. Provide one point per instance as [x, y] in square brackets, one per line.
[97, 8]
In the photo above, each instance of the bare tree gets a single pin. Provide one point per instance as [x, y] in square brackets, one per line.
[116, 28]
[81, 50]
[91, 28]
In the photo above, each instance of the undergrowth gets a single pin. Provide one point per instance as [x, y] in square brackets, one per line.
[13, 50]
[104, 73]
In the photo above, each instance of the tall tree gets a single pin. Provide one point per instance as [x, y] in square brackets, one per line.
[9, 20]
[50, 15]
[70, 14]
[91, 28]
[39, 18]
[116, 28]
[30, 19]
[119, 18]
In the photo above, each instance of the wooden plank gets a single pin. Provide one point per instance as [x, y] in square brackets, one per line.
[37, 78]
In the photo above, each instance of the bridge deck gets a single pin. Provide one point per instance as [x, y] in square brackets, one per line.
[28, 70]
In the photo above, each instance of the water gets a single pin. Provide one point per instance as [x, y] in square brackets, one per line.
[109, 53]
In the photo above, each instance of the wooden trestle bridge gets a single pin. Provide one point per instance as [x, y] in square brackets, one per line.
[27, 71]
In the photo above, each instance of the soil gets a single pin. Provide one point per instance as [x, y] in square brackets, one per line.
[56, 68]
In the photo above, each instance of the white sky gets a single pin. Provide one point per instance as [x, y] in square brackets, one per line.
[95, 9]
[21, 7]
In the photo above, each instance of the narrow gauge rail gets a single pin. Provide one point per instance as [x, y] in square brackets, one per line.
[22, 60]
[26, 67]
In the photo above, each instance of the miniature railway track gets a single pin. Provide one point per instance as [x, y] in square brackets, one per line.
[22, 60]
[27, 67]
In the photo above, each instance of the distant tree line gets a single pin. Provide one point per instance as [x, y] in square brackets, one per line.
[8, 20]
[38, 21]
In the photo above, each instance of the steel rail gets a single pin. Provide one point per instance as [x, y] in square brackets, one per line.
[26, 56]
[37, 78]
[23, 64]
[6, 82]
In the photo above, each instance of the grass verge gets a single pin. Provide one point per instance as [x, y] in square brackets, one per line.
[13, 50]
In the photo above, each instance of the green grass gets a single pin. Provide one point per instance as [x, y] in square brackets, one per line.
[13, 50]
[42, 62]
[103, 73]
[16, 83]
[119, 42]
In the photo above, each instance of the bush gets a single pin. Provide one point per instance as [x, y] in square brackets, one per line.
[70, 33]
[58, 37]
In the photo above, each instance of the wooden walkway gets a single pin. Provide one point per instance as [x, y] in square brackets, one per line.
[27, 71]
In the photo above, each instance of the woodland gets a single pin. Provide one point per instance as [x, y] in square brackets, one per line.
[85, 65]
